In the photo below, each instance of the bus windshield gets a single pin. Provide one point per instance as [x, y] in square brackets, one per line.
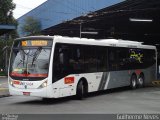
[30, 61]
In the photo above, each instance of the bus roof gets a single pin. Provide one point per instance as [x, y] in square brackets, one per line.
[101, 42]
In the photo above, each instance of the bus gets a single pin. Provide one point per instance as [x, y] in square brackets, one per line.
[57, 66]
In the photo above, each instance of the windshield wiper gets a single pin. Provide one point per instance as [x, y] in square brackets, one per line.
[22, 54]
[36, 54]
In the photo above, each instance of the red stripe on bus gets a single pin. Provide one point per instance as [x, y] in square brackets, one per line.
[27, 75]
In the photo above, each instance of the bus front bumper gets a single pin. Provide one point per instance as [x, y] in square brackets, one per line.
[30, 92]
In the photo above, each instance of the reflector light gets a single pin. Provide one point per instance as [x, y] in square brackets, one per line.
[69, 80]
[26, 93]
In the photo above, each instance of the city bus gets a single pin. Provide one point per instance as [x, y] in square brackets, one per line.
[57, 66]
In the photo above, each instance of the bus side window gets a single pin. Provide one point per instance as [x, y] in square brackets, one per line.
[122, 58]
[90, 59]
[101, 53]
[112, 59]
[60, 62]
[76, 59]
[136, 58]
[61, 56]
[149, 58]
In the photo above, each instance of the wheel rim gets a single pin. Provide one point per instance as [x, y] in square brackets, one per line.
[140, 80]
[82, 90]
[134, 82]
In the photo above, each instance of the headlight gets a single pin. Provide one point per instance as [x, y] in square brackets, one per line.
[11, 83]
[44, 84]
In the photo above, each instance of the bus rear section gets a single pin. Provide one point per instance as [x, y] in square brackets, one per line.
[29, 66]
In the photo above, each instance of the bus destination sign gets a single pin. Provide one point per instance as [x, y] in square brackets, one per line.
[34, 43]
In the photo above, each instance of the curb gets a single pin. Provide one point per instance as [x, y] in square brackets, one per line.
[3, 89]
[156, 83]
[7, 95]
[4, 92]
[3, 76]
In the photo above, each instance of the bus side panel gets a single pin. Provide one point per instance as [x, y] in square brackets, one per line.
[122, 78]
[118, 79]
[64, 88]
[150, 75]
[93, 80]
[100, 81]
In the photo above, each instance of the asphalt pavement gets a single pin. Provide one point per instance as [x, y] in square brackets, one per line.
[117, 101]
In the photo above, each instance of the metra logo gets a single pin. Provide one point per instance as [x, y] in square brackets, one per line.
[26, 83]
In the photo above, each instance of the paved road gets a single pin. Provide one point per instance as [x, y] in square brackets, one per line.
[146, 100]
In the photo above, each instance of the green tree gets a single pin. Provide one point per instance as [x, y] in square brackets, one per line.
[32, 26]
[6, 18]
[6, 12]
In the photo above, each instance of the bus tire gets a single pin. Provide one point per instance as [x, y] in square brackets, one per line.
[133, 82]
[141, 81]
[80, 94]
[46, 99]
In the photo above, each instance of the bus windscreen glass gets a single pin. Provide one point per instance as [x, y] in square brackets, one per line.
[30, 59]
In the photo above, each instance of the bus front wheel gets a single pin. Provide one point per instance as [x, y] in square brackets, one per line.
[80, 90]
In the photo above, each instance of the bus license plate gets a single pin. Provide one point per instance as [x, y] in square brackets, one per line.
[26, 93]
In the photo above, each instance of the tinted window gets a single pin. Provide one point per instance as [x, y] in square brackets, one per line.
[128, 58]
[75, 59]
[68, 59]
[90, 59]
[101, 53]
[122, 58]
[112, 56]
[149, 58]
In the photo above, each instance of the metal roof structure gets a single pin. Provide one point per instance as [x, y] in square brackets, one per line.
[131, 19]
